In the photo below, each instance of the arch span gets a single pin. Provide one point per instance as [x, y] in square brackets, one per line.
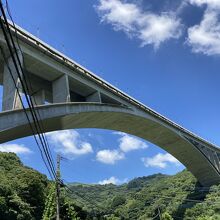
[13, 125]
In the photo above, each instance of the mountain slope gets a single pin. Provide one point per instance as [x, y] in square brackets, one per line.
[22, 189]
[23, 193]
[177, 196]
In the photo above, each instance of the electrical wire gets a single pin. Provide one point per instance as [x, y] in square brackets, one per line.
[70, 191]
[29, 83]
[189, 200]
[26, 114]
[24, 87]
[26, 97]
[30, 103]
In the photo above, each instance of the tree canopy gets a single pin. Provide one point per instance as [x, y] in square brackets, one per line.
[26, 194]
[22, 189]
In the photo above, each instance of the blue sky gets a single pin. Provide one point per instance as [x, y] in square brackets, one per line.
[164, 53]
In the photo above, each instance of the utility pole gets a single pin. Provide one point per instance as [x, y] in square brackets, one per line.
[58, 187]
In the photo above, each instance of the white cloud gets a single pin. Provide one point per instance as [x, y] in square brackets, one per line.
[15, 148]
[69, 143]
[112, 180]
[109, 156]
[156, 29]
[210, 3]
[150, 28]
[205, 37]
[128, 143]
[160, 160]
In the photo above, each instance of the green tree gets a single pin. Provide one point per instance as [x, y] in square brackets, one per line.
[166, 216]
[67, 207]
[22, 190]
[118, 200]
[50, 205]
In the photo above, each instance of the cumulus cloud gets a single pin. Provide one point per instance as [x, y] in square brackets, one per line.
[126, 143]
[151, 29]
[15, 148]
[205, 37]
[129, 143]
[69, 143]
[210, 3]
[109, 156]
[112, 180]
[160, 160]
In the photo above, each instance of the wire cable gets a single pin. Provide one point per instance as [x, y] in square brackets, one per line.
[29, 100]
[25, 87]
[30, 84]
[26, 114]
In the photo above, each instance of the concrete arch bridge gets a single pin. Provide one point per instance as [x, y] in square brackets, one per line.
[69, 96]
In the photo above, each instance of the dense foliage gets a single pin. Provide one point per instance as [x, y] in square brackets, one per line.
[174, 197]
[22, 190]
[68, 209]
[25, 194]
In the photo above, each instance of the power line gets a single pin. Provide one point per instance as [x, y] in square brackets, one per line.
[29, 99]
[30, 92]
[26, 114]
[25, 88]
[189, 200]
[26, 97]
[69, 190]
[17, 89]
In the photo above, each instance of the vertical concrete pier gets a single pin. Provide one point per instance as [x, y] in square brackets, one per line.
[39, 97]
[11, 98]
[61, 91]
[95, 97]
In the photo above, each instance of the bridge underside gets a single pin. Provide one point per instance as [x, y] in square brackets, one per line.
[13, 125]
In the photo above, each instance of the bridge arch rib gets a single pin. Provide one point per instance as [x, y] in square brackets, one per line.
[13, 125]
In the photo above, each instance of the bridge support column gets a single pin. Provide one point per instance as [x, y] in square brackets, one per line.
[39, 97]
[95, 97]
[11, 98]
[61, 91]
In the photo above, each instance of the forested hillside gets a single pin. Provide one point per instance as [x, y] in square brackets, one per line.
[25, 194]
[176, 197]
[22, 190]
